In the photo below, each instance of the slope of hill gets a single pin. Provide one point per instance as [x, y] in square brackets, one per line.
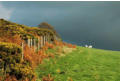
[63, 61]
[30, 41]
[22, 48]
[10, 28]
[83, 64]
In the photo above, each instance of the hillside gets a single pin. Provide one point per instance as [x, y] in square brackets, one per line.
[23, 48]
[38, 54]
[83, 64]
[9, 28]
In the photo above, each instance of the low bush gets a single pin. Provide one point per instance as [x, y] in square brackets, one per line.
[10, 48]
[48, 78]
[10, 63]
[9, 53]
[21, 71]
[34, 58]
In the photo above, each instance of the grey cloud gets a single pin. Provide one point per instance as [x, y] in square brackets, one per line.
[76, 22]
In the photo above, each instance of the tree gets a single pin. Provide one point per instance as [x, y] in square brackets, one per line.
[48, 26]
[45, 25]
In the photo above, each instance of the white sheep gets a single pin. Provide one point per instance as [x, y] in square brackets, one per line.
[86, 46]
[90, 46]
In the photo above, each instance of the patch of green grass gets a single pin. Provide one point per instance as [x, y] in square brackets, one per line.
[83, 64]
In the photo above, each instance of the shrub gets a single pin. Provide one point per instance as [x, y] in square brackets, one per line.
[10, 78]
[48, 78]
[48, 45]
[61, 44]
[10, 62]
[9, 53]
[10, 48]
[33, 57]
[21, 71]
[11, 39]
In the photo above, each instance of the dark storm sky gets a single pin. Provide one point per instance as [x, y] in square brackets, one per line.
[76, 22]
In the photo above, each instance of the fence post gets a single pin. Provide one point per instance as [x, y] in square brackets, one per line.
[34, 44]
[31, 42]
[38, 43]
[22, 50]
[28, 42]
[48, 38]
[44, 40]
[41, 41]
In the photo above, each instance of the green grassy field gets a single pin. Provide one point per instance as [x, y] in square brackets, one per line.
[83, 64]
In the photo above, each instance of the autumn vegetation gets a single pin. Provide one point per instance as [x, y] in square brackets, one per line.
[17, 63]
